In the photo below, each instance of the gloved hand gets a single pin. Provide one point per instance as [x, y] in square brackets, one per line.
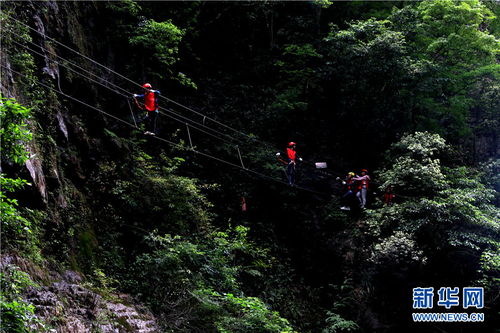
[343, 183]
[135, 95]
[300, 159]
[278, 154]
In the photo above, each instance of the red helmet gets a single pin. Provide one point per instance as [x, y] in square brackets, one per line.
[291, 144]
[364, 170]
[146, 85]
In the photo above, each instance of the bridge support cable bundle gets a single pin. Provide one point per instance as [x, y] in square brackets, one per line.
[205, 119]
[190, 123]
[200, 125]
[108, 85]
[171, 143]
[172, 114]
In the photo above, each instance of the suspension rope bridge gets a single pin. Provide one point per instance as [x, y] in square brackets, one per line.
[109, 85]
[174, 144]
[249, 138]
[170, 113]
[204, 116]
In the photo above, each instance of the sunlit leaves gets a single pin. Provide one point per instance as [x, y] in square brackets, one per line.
[242, 314]
[14, 131]
[14, 135]
[160, 41]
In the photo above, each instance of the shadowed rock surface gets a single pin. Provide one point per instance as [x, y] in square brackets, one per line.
[66, 305]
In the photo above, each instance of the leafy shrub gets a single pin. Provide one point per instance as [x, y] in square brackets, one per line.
[415, 167]
[337, 324]
[445, 220]
[397, 249]
[12, 221]
[16, 314]
[161, 37]
[14, 134]
[172, 277]
[162, 40]
[448, 206]
[148, 193]
[490, 270]
[233, 314]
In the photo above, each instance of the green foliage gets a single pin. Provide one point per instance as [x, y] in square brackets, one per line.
[431, 66]
[17, 315]
[452, 36]
[437, 194]
[484, 116]
[162, 40]
[415, 167]
[127, 7]
[12, 221]
[443, 209]
[160, 37]
[490, 175]
[443, 222]
[146, 193]
[421, 145]
[285, 291]
[14, 282]
[14, 136]
[151, 188]
[369, 72]
[323, 3]
[235, 314]
[344, 303]
[450, 32]
[102, 284]
[178, 268]
[14, 132]
[398, 248]
[299, 76]
[87, 248]
[490, 269]
[337, 324]
[419, 69]
[20, 59]
[494, 24]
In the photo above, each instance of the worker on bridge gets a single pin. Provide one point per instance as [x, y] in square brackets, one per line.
[349, 188]
[292, 162]
[363, 182]
[150, 105]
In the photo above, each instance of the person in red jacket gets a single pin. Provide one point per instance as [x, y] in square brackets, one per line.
[150, 105]
[292, 161]
[363, 182]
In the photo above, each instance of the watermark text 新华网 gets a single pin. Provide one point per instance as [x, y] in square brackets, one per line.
[472, 297]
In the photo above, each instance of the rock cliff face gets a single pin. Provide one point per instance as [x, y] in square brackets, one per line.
[63, 302]
[70, 307]
[58, 133]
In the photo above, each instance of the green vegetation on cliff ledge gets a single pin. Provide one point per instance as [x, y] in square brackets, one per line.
[14, 136]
